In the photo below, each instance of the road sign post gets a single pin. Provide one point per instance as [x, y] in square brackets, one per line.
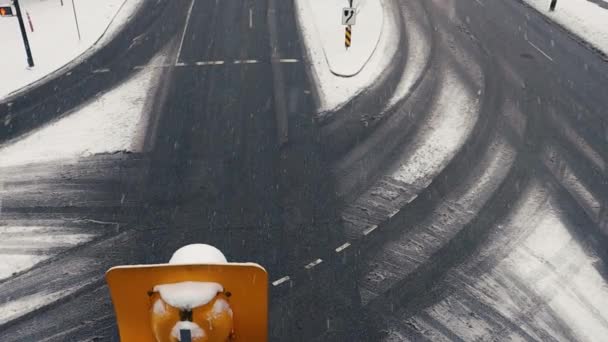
[349, 16]
[347, 36]
[76, 19]
[26, 43]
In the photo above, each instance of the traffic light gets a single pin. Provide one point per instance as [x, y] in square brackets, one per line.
[6, 11]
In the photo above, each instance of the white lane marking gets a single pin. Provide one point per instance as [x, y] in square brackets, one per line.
[250, 18]
[210, 63]
[180, 64]
[246, 61]
[141, 67]
[393, 213]
[370, 229]
[181, 44]
[98, 71]
[313, 264]
[479, 2]
[288, 60]
[343, 247]
[280, 281]
[541, 51]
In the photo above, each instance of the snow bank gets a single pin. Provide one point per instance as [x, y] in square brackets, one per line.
[114, 121]
[326, 17]
[198, 254]
[35, 244]
[54, 41]
[558, 268]
[446, 128]
[188, 294]
[341, 74]
[583, 17]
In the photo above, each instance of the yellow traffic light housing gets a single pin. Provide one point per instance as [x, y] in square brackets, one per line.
[134, 291]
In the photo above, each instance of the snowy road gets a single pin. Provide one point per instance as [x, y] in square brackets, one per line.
[462, 199]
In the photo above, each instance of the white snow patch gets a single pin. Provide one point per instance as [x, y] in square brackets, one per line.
[584, 18]
[54, 42]
[451, 120]
[188, 294]
[552, 269]
[418, 53]
[159, 307]
[198, 253]
[114, 121]
[580, 296]
[221, 306]
[29, 242]
[546, 281]
[17, 307]
[195, 330]
[328, 56]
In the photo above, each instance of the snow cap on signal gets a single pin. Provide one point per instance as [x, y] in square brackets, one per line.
[198, 253]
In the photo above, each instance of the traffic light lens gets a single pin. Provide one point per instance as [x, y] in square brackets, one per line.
[6, 11]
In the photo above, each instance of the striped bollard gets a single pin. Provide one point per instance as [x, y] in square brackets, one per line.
[347, 36]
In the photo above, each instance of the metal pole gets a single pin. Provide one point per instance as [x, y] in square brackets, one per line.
[76, 20]
[28, 51]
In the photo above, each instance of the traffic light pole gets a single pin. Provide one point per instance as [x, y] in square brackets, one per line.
[28, 51]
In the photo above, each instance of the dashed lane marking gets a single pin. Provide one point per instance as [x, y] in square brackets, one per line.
[280, 281]
[209, 63]
[202, 63]
[313, 264]
[343, 247]
[250, 18]
[369, 230]
[99, 71]
[246, 61]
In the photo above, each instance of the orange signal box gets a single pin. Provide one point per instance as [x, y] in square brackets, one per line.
[246, 283]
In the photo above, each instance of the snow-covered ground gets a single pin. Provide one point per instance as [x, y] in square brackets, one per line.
[114, 121]
[545, 282]
[585, 18]
[340, 73]
[29, 240]
[54, 41]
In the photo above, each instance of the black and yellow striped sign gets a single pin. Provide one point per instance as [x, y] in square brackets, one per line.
[347, 36]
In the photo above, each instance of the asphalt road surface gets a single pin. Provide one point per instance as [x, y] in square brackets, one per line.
[354, 250]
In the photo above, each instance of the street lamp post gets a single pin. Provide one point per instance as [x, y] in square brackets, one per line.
[76, 20]
[28, 51]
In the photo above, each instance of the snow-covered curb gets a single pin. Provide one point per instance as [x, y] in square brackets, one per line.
[65, 57]
[334, 91]
[114, 121]
[583, 18]
[330, 32]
